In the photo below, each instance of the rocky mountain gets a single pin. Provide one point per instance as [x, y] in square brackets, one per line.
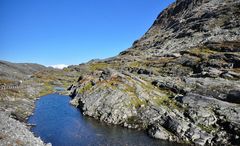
[190, 23]
[180, 81]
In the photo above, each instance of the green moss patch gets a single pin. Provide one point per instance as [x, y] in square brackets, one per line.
[85, 88]
[208, 129]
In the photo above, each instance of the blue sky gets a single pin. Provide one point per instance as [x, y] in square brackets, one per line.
[72, 31]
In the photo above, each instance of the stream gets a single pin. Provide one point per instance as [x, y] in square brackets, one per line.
[62, 124]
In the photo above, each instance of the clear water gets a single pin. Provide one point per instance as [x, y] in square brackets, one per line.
[61, 124]
[59, 89]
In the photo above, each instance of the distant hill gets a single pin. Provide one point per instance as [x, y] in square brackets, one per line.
[16, 71]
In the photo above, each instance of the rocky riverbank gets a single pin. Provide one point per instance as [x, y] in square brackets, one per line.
[20, 85]
[13, 132]
[180, 81]
[16, 105]
[15, 109]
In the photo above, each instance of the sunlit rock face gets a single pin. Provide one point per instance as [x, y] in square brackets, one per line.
[180, 81]
[190, 23]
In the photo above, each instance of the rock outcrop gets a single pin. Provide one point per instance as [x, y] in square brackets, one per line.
[13, 132]
[180, 81]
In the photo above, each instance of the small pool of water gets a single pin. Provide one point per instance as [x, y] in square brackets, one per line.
[61, 124]
[59, 89]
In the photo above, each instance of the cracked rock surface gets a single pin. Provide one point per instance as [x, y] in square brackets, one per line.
[180, 81]
[13, 132]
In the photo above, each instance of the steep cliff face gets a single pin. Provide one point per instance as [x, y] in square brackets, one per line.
[180, 81]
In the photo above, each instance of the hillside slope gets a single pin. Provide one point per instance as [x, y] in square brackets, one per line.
[18, 71]
[17, 89]
[180, 81]
[190, 23]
